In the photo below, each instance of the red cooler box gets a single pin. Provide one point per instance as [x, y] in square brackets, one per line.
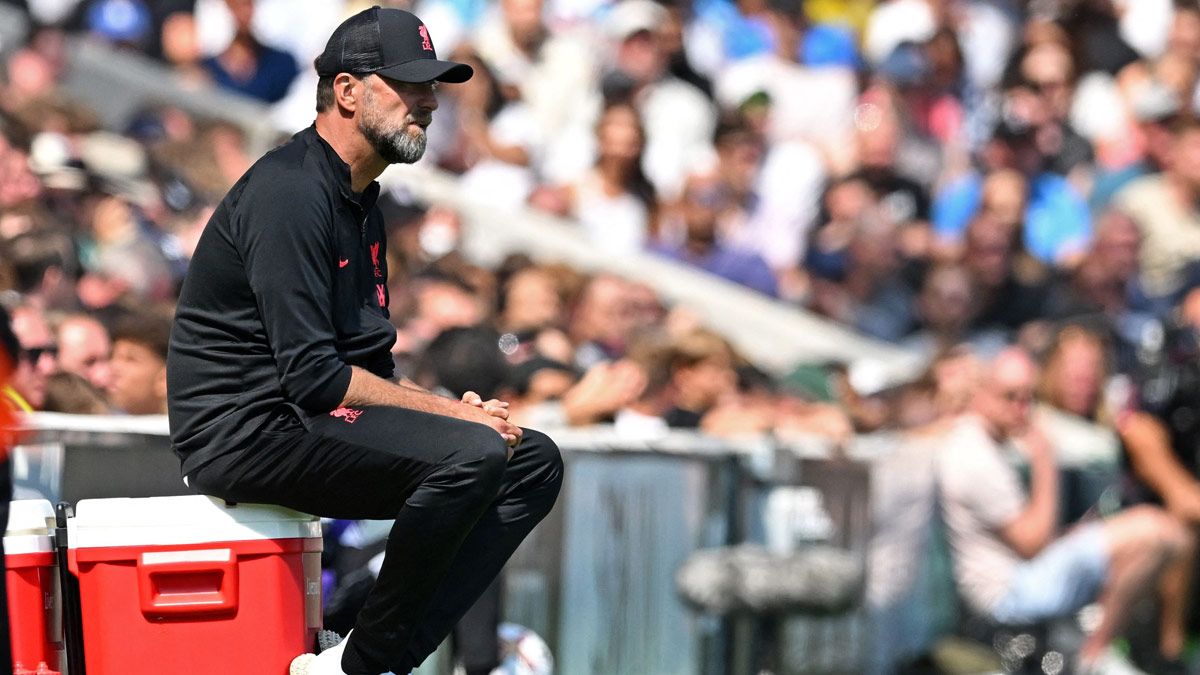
[190, 585]
[31, 571]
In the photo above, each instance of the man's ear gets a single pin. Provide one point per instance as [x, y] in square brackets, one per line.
[348, 91]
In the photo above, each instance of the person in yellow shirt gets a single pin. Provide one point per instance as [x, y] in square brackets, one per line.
[852, 13]
[13, 399]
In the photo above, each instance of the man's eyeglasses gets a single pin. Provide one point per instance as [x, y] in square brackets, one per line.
[34, 354]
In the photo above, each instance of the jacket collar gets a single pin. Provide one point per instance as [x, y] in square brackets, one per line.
[339, 171]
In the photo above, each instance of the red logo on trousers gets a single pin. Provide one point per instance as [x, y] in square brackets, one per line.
[347, 415]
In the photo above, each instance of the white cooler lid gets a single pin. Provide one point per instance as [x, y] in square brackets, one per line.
[195, 519]
[30, 527]
[30, 516]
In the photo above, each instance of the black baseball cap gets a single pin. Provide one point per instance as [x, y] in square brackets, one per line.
[389, 42]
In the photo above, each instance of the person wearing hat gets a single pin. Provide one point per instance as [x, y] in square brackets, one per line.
[280, 378]
[1155, 109]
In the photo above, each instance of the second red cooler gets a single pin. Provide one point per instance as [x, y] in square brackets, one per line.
[31, 572]
[183, 585]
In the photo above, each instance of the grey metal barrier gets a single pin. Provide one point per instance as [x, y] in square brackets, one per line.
[597, 579]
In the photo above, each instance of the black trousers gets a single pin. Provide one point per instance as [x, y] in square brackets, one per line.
[476, 640]
[460, 510]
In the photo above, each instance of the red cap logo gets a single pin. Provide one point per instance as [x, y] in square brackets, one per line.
[426, 44]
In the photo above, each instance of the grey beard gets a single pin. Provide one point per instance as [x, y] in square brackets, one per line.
[397, 147]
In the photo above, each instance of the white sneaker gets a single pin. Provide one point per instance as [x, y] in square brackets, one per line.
[328, 662]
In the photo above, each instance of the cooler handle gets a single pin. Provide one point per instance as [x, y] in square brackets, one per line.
[173, 584]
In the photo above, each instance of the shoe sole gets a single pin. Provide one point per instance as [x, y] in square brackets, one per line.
[301, 664]
[327, 639]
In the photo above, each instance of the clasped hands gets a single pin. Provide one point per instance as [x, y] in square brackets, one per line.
[497, 409]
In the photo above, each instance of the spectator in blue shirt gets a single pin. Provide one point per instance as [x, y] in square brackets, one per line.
[704, 200]
[1057, 221]
[249, 67]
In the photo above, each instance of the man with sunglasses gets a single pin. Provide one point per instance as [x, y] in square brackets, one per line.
[36, 359]
[280, 377]
[1011, 562]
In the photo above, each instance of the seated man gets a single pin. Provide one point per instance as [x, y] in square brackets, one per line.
[280, 374]
[1011, 564]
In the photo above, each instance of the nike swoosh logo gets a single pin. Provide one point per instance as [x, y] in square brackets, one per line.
[343, 263]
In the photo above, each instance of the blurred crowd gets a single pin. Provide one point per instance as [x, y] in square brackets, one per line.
[954, 177]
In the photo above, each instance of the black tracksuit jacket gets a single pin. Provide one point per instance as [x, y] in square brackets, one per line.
[287, 289]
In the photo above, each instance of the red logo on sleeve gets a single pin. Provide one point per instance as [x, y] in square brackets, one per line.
[426, 43]
[347, 415]
[381, 293]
